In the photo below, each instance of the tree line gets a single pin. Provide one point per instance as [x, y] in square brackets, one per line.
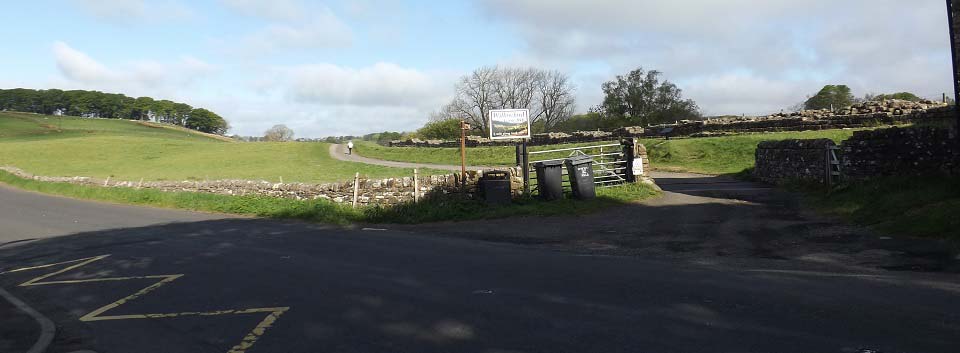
[638, 98]
[96, 104]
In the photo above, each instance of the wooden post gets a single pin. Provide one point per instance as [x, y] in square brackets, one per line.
[463, 156]
[140, 183]
[525, 167]
[105, 183]
[416, 186]
[356, 188]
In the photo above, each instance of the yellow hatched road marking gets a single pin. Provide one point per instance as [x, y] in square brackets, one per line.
[97, 315]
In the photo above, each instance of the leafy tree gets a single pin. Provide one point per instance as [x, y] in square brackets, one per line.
[830, 96]
[385, 137]
[278, 133]
[899, 95]
[447, 129]
[206, 121]
[641, 98]
[105, 105]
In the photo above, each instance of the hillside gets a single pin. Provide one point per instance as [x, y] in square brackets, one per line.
[130, 150]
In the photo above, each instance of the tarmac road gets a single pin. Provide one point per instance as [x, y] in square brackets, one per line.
[209, 283]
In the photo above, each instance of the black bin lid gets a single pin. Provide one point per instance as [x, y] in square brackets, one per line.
[577, 160]
[496, 175]
[554, 163]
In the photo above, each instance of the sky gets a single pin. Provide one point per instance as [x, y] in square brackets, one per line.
[329, 68]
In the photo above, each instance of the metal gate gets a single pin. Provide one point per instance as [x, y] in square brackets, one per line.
[611, 165]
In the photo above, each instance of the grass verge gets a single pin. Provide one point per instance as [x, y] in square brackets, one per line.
[910, 206]
[433, 209]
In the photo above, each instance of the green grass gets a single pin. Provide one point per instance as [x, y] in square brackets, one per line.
[723, 154]
[128, 150]
[911, 206]
[430, 210]
[476, 156]
[708, 155]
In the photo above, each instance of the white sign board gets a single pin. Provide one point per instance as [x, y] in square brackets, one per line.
[638, 166]
[509, 124]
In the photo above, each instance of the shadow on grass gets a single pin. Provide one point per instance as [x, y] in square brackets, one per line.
[921, 206]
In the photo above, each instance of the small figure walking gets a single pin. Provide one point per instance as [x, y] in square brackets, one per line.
[350, 147]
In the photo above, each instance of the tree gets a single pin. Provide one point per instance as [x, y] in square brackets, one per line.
[555, 99]
[830, 97]
[899, 95]
[207, 121]
[547, 94]
[278, 133]
[447, 129]
[641, 98]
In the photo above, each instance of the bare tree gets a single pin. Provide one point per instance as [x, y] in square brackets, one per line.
[547, 94]
[555, 98]
[278, 133]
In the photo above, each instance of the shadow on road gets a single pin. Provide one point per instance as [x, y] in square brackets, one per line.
[387, 291]
[706, 218]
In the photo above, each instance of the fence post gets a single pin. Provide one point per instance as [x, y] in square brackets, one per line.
[525, 168]
[356, 188]
[416, 186]
[629, 152]
[829, 168]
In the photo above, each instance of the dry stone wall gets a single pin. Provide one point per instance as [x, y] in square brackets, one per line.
[779, 161]
[371, 191]
[888, 112]
[900, 151]
[867, 154]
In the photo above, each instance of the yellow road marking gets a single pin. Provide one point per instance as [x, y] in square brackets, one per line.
[97, 315]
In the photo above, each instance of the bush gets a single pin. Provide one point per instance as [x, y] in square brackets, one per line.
[448, 129]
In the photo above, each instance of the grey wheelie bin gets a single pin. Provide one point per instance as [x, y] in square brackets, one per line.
[580, 172]
[549, 179]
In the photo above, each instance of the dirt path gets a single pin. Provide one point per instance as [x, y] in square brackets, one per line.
[705, 218]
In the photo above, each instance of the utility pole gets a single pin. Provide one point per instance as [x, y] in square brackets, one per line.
[951, 18]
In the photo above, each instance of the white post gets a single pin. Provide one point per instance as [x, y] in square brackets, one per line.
[416, 186]
[356, 188]
[140, 183]
[105, 183]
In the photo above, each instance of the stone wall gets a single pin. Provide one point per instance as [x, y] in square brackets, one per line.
[371, 191]
[788, 160]
[900, 151]
[867, 114]
[867, 154]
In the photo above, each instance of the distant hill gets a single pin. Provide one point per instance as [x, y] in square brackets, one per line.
[96, 104]
[17, 125]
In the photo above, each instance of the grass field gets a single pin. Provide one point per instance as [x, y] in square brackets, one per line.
[129, 150]
[709, 155]
[896, 205]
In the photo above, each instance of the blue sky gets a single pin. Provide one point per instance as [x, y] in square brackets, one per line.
[353, 67]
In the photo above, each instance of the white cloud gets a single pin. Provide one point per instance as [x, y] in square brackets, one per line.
[279, 10]
[137, 77]
[130, 11]
[324, 31]
[291, 24]
[871, 45]
[383, 84]
[325, 99]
